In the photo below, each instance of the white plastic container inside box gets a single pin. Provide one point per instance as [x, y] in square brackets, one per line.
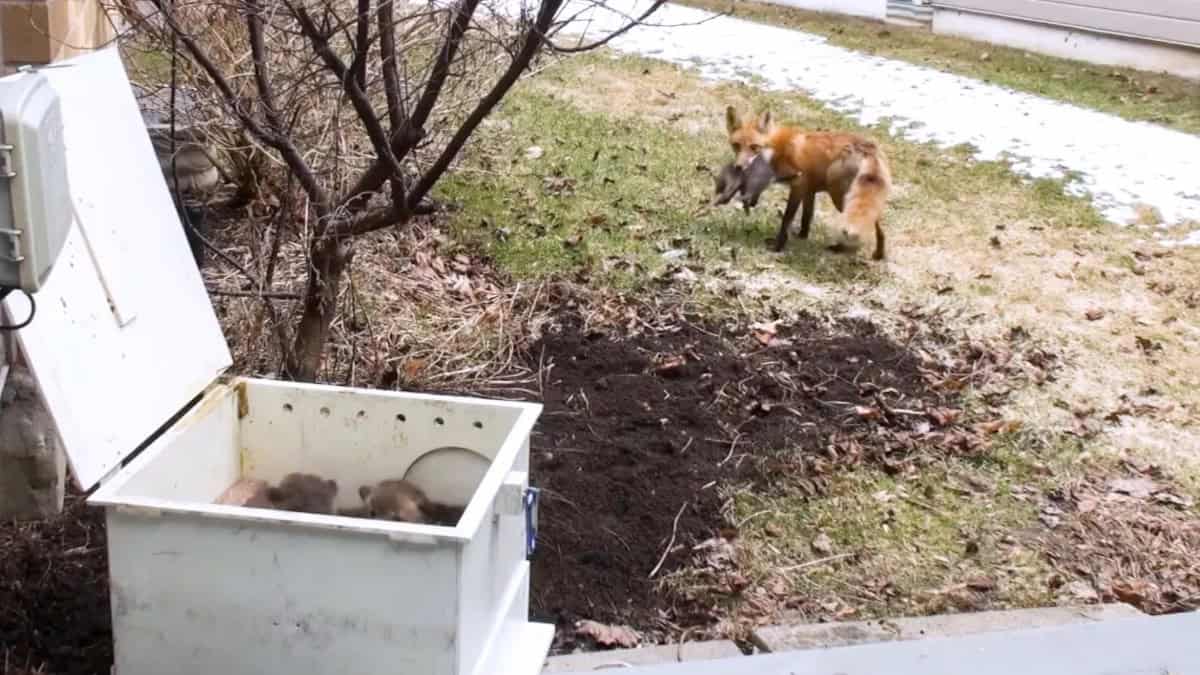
[126, 348]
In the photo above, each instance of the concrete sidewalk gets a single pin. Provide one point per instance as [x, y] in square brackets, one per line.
[1163, 645]
[1121, 164]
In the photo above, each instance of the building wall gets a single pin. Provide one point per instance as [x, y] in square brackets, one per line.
[1071, 43]
[1169, 21]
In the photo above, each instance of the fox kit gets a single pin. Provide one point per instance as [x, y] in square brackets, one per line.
[851, 169]
[750, 182]
[394, 500]
[248, 492]
[399, 499]
[304, 492]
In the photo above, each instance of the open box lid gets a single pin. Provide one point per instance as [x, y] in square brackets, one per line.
[125, 335]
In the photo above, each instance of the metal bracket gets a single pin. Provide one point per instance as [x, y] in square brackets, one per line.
[12, 234]
[6, 161]
[530, 502]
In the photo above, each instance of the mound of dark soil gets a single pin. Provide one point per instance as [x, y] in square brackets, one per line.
[639, 435]
[54, 611]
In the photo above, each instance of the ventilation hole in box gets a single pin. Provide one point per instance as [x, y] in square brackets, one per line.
[324, 411]
[439, 421]
[361, 414]
[287, 407]
[478, 424]
[400, 417]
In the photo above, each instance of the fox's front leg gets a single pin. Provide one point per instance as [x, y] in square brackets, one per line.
[806, 215]
[795, 197]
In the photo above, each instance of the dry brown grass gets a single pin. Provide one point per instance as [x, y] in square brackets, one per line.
[417, 312]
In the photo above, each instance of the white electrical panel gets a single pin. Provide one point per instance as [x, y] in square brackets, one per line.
[35, 202]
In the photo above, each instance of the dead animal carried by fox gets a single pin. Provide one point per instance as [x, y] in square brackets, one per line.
[749, 182]
[851, 169]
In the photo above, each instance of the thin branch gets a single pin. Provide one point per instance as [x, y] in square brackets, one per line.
[272, 295]
[387, 59]
[358, 67]
[670, 543]
[397, 117]
[362, 105]
[254, 27]
[406, 137]
[281, 144]
[611, 36]
[533, 42]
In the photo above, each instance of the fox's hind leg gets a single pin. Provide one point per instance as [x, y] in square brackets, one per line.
[879, 241]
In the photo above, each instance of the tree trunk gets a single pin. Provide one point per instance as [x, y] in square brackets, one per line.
[330, 258]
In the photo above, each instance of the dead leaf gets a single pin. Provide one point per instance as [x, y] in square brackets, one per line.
[1172, 499]
[1094, 314]
[998, 426]
[413, 368]
[608, 636]
[684, 275]
[1138, 488]
[765, 332]
[671, 366]
[719, 552]
[823, 544]
[943, 416]
[1086, 505]
[1147, 345]
[1133, 592]
[867, 412]
[1081, 590]
[981, 583]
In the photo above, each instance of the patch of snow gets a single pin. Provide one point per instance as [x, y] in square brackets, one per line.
[1116, 163]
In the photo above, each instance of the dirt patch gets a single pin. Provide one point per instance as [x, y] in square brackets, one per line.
[642, 439]
[54, 610]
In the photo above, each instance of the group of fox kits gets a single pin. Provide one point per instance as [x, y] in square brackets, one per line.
[851, 169]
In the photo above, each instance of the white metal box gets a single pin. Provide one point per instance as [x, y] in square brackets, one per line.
[128, 355]
[203, 588]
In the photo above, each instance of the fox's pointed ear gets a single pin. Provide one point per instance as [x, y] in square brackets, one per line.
[765, 121]
[732, 122]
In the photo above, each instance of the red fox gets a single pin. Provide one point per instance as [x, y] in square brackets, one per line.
[851, 169]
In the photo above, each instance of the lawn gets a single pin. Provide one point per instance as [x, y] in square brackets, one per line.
[596, 169]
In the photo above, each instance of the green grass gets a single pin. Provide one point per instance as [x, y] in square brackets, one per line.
[917, 536]
[608, 197]
[1132, 94]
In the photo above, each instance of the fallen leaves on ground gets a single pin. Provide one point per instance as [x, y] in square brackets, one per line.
[1130, 539]
[608, 636]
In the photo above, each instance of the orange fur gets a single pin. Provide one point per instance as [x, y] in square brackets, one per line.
[852, 170]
